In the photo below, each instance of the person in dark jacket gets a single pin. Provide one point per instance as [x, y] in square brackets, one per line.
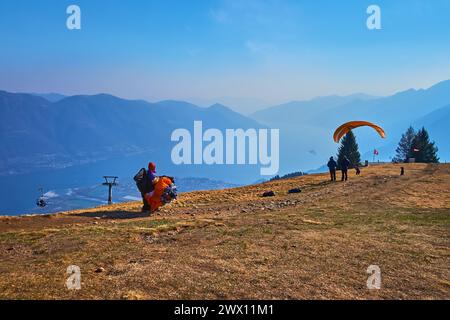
[332, 165]
[345, 163]
[149, 185]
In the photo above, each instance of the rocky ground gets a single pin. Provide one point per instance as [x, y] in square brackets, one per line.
[235, 244]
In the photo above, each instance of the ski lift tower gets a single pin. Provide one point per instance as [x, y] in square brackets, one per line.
[110, 181]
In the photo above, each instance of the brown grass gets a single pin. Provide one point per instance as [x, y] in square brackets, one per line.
[234, 244]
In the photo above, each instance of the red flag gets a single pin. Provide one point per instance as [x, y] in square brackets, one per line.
[375, 152]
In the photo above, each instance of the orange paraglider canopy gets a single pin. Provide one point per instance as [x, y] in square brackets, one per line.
[346, 127]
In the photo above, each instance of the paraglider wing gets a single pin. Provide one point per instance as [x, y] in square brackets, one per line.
[346, 127]
[164, 191]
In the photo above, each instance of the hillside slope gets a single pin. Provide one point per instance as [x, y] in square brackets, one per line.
[234, 244]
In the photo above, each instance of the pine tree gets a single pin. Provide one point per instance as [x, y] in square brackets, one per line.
[424, 150]
[349, 148]
[404, 150]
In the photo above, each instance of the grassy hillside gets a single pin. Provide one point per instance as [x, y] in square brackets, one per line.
[235, 244]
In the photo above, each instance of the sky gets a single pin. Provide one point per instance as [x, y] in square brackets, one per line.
[246, 54]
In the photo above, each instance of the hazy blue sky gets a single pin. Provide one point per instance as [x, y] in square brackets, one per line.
[245, 52]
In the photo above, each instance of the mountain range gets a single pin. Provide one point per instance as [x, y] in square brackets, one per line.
[37, 133]
[53, 131]
[307, 126]
[72, 142]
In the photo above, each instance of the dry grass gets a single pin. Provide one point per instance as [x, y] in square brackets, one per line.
[235, 244]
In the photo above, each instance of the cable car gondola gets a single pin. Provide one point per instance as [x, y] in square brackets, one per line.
[41, 201]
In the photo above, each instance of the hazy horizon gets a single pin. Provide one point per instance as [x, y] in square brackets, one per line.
[205, 103]
[248, 55]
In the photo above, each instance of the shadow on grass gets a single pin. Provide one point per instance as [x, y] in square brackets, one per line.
[114, 215]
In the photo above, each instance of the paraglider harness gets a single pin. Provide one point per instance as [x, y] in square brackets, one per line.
[170, 193]
[142, 182]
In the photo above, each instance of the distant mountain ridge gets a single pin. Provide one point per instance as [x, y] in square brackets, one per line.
[302, 111]
[52, 97]
[38, 133]
[308, 125]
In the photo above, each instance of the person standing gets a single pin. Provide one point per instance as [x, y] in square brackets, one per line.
[151, 175]
[345, 163]
[332, 165]
[145, 180]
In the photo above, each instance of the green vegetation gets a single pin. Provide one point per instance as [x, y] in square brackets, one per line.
[349, 149]
[289, 175]
[416, 145]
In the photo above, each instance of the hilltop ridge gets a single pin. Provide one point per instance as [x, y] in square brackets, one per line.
[235, 244]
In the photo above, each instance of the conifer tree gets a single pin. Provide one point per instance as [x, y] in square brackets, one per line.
[349, 148]
[404, 150]
[424, 150]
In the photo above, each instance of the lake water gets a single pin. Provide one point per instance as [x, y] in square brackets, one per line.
[81, 186]
[74, 187]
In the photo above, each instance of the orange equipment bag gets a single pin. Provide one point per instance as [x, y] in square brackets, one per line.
[154, 198]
